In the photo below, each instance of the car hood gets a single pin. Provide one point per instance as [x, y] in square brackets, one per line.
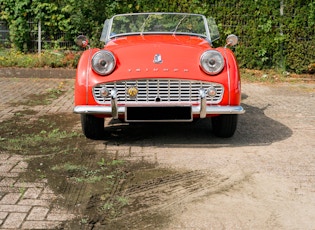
[157, 56]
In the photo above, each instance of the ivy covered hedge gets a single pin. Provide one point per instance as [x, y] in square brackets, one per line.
[273, 33]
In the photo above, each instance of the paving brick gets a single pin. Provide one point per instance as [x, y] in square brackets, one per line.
[59, 214]
[3, 215]
[15, 158]
[20, 167]
[48, 196]
[10, 198]
[48, 190]
[60, 217]
[29, 185]
[9, 174]
[9, 189]
[14, 208]
[4, 157]
[41, 224]
[6, 167]
[32, 193]
[38, 213]
[136, 149]
[34, 202]
[7, 182]
[14, 220]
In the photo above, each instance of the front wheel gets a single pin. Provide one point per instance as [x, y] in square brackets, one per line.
[224, 125]
[92, 127]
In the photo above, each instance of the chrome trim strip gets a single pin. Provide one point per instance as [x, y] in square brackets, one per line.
[106, 110]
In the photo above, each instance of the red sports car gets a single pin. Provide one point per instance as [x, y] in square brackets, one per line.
[158, 67]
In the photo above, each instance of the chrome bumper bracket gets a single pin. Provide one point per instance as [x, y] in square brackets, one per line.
[203, 103]
[113, 94]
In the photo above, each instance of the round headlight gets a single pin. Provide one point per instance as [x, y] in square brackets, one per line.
[103, 62]
[212, 62]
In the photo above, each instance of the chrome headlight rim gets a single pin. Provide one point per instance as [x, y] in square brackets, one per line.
[103, 62]
[212, 62]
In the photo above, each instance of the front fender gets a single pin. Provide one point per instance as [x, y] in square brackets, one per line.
[82, 77]
[234, 80]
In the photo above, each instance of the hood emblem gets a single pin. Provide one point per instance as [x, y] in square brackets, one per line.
[157, 59]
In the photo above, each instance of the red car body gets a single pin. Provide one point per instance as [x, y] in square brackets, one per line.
[158, 77]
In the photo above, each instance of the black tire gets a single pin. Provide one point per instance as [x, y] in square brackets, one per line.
[92, 127]
[224, 125]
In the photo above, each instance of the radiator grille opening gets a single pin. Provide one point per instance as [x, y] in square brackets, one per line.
[167, 90]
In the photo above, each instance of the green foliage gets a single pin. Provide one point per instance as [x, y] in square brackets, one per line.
[48, 58]
[273, 33]
[269, 39]
[16, 14]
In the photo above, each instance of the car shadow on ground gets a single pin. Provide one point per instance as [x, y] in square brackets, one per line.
[254, 128]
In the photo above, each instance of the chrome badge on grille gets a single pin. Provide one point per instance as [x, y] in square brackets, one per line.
[157, 59]
[132, 91]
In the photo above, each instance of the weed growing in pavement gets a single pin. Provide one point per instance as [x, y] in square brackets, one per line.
[107, 206]
[71, 168]
[113, 207]
[123, 201]
[22, 191]
[37, 137]
[103, 164]
[41, 175]
[80, 174]
[84, 221]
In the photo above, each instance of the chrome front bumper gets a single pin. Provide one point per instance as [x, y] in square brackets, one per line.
[114, 111]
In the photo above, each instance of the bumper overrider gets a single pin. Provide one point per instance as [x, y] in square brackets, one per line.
[115, 110]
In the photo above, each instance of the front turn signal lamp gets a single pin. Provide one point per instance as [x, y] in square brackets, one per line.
[212, 62]
[103, 62]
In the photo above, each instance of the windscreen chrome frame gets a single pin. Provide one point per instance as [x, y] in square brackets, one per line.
[106, 36]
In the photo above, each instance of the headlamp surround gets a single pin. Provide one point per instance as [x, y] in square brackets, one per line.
[212, 62]
[103, 62]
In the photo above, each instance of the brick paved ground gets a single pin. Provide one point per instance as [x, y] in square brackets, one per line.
[16, 90]
[27, 205]
[278, 138]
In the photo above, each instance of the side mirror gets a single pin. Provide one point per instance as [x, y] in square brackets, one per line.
[82, 41]
[231, 40]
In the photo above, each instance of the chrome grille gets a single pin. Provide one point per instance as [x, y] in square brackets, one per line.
[164, 90]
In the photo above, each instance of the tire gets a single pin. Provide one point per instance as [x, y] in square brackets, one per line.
[92, 127]
[224, 125]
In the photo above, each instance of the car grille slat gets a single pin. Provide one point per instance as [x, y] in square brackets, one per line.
[166, 90]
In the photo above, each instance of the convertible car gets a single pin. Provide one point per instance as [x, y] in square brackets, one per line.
[158, 67]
